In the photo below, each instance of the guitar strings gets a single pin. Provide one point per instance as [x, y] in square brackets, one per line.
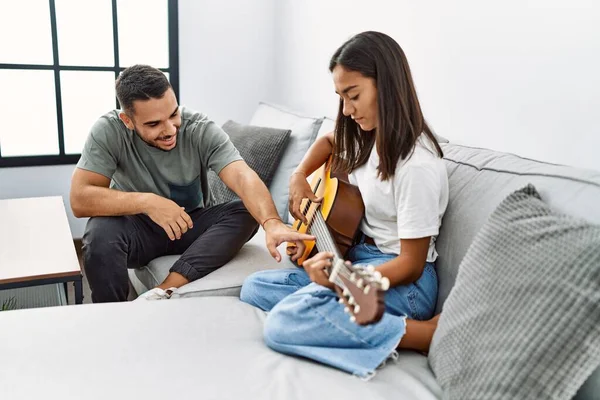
[317, 223]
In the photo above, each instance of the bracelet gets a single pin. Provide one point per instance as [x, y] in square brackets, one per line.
[267, 220]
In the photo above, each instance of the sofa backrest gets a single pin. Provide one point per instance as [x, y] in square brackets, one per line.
[480, 179]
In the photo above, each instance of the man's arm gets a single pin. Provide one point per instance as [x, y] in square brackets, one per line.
[91, 197]
[256, 197]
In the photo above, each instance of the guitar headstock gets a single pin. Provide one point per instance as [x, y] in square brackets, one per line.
[363, 294]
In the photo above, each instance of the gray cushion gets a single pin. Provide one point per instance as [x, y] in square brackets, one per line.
[304, 131]
[261, 148]
[200, 348]
[480, 179]
[522, 319]
[225, 281]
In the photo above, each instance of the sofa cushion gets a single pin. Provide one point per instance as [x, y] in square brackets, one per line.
[304, 131]
[225, 281]
[480, 179]
[208, 348]
[261, 148]
[522, 319]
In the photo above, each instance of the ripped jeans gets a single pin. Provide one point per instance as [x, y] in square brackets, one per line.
[306, 320]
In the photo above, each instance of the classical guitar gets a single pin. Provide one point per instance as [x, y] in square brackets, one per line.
[335, 223]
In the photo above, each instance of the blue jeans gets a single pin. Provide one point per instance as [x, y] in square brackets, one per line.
[306, 320]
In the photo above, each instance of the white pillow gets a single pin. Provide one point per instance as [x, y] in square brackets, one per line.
[304, 132]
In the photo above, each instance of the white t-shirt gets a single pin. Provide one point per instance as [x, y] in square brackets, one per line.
[409, 205]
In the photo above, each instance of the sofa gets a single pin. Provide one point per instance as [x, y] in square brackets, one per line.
[204, 343]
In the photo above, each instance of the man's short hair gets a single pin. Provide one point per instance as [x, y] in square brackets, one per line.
[140, 82]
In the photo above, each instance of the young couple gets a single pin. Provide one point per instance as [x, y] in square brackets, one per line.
[156, 156]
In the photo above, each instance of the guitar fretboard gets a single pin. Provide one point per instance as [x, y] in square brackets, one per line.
[325, 242]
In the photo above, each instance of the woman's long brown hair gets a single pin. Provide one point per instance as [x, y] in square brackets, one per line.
[378, 56]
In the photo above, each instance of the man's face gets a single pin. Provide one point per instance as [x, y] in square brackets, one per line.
[156, 121]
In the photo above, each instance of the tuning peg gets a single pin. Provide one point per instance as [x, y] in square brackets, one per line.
[360, 283]
[345, 292]
[356, 309]
[367, 289]
[341, 301]
[351, 300]
[353, 277]
[353, 319]
[346, 310]
[370, 269]
[385, 283]
[377, 275]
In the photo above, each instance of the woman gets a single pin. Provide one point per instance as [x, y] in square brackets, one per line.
[382, 141]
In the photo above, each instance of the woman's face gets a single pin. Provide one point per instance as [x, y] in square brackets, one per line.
[359, 95]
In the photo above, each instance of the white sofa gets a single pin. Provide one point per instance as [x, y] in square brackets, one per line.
[204, 343]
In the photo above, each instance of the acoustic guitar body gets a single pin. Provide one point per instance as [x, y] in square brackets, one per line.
[342, 209]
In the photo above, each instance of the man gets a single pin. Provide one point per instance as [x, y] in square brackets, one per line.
[142, 178]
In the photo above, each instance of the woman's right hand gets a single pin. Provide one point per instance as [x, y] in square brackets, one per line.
[299, 190]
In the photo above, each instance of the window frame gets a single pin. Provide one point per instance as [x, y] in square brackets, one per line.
[62, 158]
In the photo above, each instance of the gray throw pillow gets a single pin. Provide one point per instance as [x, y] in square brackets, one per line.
[523, 318]
[261, 148]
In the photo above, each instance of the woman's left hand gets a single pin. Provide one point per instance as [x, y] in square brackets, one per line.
[315, 268]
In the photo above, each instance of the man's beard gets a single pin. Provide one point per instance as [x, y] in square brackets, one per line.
[155, 145]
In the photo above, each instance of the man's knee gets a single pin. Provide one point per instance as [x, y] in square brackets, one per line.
[245, 222]
[102, 237]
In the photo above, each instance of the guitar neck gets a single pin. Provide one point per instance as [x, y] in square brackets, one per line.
[325, 242]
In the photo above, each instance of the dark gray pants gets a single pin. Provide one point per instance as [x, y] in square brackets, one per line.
[113, 244]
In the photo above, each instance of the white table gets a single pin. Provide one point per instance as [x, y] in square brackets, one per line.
[36, 246]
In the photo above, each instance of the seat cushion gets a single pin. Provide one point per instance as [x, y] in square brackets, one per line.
[225, 281]
[209, 348]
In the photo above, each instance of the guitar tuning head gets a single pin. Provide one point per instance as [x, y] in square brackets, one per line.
[385, 283]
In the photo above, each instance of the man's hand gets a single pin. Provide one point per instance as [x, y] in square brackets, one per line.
[168, 215]
[315, 268]
[277, 232]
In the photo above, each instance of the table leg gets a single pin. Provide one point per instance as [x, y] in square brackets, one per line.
[78, 291]
[66, 286]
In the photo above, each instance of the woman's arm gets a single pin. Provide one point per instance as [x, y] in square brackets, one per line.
[408, 266]
[316, 156]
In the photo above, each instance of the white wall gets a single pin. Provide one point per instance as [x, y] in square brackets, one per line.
[226, 65]
[226, 56]
[512, 75]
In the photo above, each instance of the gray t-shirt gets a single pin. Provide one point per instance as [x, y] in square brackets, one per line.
[179, 174]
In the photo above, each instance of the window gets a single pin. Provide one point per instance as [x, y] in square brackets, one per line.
[58, 63]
